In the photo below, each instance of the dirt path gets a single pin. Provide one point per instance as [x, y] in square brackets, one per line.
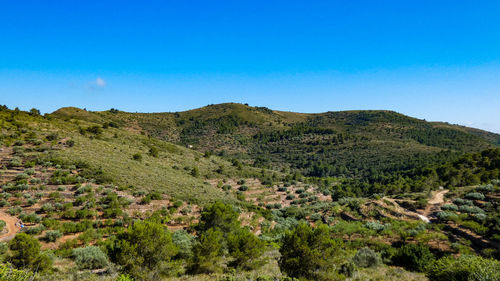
[435, 202]
[12, 229]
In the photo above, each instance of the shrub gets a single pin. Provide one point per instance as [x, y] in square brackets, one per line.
[470, 209]
[465, 268]
[47, 207]
[474, 196]
[2, 225]
[282, 188]
[207, 253]
[35, 230]
[7, 273]
[307, 253]
[52, 236]
[449, 207]
[446, 216]
[184, 242]
[241, 182]
[33, 218]
[90, 257]
[25, 252]
[485, 188]
[137, 156]
[226, 187]
[219, 215]
[416, 257]
[366, 257]
[246, 249]
[375, 225]
[144, 250]
[243, 188]
[16, 162]
[460, 201]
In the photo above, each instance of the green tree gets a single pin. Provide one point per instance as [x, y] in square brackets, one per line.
[416, 257]
[308, 253]
[25, 253]
[208, 252]
[221, 216]
[145, 249]
[246, 249]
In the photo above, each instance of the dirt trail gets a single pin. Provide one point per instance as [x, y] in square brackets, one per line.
[435, 202]
[11, 226]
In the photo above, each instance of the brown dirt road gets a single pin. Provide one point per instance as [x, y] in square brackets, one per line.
[435, 202]
[12, 229]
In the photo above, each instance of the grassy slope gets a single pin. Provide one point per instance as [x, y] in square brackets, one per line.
[112, 151]
[378, 140]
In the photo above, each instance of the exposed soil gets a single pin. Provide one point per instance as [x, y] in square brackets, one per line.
[11, 226]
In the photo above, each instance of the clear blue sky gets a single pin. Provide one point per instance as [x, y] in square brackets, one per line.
[438, 60]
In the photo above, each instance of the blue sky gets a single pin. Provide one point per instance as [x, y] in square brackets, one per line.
[435, 60]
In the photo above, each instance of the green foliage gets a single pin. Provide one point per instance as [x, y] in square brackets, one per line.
[465, 268]
[184, 242]
[245, 249]
[144, 250]
[307, 252]
[208, 252]
[220, 216]
[416, 257]
[7, 273]
[474, 196]
[52, 235]
[25, 253]
[366, 257]
[90, 257]
[2, 225]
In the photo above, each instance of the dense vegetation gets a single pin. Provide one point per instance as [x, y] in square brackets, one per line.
[263, 195]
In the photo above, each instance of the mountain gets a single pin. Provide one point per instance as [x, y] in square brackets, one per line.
[352, 144]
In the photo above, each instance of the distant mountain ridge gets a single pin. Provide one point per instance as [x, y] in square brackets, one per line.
[342, 143]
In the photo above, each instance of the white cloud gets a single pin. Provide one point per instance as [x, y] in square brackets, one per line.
[100, 82]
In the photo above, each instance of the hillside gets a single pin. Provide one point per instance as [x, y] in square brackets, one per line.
[218, 192]
[352, 144]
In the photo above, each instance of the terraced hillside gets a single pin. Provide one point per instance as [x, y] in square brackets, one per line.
[342, 144]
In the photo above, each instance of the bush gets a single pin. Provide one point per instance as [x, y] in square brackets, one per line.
[470, 209]
[415, 257]
[460, 201]
[246, 249]
[475, 196]
[47, 207]
[25, 253]
[184, 242]
[226, 187]
[137, 156]
[52, 236]
[7, 273]
[446, 216]
[449, 207]
[207, 253]
[465, 268]
[243, 188]
[2, 225]
[90, 257]
[366, 257]
[307, 253]
[485, 188]
[144, 250]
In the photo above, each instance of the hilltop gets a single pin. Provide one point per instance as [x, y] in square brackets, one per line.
[352, 144]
